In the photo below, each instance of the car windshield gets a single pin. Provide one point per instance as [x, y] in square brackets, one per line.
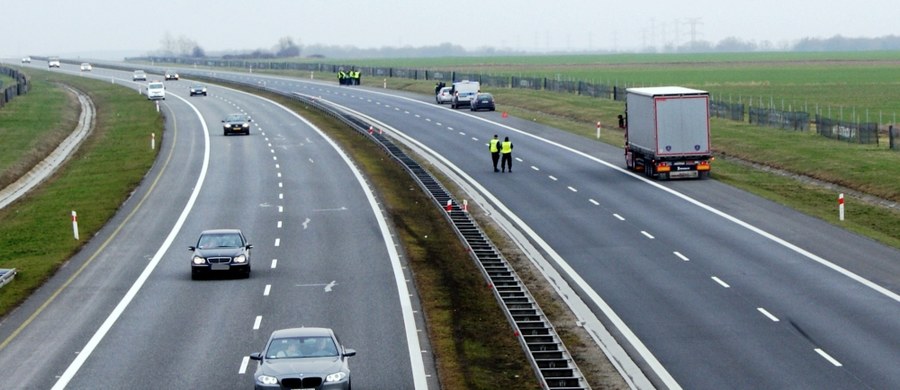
[235, 118]
[156, 85]
[301, 347]
[197, 86]
[485, 96]
[219, 240]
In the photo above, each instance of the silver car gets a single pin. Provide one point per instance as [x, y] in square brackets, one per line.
[443, 96]
[303, 358]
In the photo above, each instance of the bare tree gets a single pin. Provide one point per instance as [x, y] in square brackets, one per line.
[287, 48]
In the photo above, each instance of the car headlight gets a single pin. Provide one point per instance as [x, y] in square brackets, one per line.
[240, 259]
[198, 260]
[246, 125]
[267, 380]
[336, 377]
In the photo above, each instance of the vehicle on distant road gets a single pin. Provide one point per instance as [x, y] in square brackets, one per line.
[463, 92]
[171, 75]
[220, 250]
[86, 67]
[236, 123]
[26, 60]
[444, 96]
[198, 89]
[482, 101]
[139, 75]
[303, 358]
[53, 62]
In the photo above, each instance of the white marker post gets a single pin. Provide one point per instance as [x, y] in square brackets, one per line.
[75, 224]
[598, 129]
[841, 206]
[311, 75]
[157, 106]
[385, 83]
[152, 141]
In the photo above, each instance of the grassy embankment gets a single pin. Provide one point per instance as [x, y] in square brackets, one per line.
[36, 232]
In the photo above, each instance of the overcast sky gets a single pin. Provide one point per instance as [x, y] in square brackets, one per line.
[91, 27]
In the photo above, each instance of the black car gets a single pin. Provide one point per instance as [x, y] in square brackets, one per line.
[303, 358]
[236, 123]
[221, 250]
[482, 101]
[198, 89]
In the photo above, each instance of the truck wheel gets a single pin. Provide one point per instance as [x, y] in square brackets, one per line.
[704, 175]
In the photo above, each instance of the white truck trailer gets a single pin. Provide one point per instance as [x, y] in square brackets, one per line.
[667, 132]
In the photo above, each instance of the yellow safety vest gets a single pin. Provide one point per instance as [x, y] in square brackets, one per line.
[506, 147]
[494, 143]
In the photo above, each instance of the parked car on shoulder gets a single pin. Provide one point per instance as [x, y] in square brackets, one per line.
[463, 93]
[482, 101]
[220, 250]
[236, 123]
[444, 96]
[303, 358]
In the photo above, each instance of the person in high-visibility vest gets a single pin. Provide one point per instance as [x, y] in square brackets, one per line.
[342, 77]
[494, 147]
[506, 148]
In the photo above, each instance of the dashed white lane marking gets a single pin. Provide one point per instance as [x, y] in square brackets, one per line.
[438, 123]
[311, 161]
[280, 209]
[682, 257]
[272, 151]
[418, 116]
[244, 362]
[767, 314]
[596, 203]
[277, 166]
[267, 290]
[719, 281]
[648, 235]
[281, 196]
[277, 242]
[449, 128]
[280, 184]
[461, 133]
[278, 174]
[535, 168]
[573, 189]
[518, 159]
[553, 178]
[279, 224]
[274, 263]
[621, 218]
[474, 139]
[828, 357]
[427, 119]
[257, 322]
[275, 158]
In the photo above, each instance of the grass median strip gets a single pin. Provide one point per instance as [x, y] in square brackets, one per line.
[36, 233]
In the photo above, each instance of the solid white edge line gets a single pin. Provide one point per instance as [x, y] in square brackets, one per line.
[104, 328]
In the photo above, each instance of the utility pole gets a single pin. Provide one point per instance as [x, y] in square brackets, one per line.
[693, 22]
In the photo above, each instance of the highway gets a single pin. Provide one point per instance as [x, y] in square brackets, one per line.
[124, 312]
[722, 288]
[715, 287]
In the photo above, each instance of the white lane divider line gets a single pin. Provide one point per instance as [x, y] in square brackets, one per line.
[767, 314]
[427, 119]
[277, 242]
[719, 281]
[462, 133]
[648, 235]
[281, 195]
[573, 189]
[244, 362]
[828, 357]
[267, 290]
[621, 218]
[278, 224]
[257, 322]
[274, 263]
[535, 168]
[552, 177]
[280, 209]
[596, 203]
[474, 139]
[680, 256]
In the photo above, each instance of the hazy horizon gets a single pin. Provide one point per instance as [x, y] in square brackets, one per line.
[107, 28]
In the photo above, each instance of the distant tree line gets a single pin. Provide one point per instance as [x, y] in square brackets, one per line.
[288, 48]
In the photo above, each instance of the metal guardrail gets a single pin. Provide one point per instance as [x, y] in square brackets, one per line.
[6, 276]
[547, 354]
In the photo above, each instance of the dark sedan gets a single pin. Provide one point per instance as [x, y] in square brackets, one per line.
[303, 358]
[236, 124]
[482, 101]
[198, 89]
[221, 250]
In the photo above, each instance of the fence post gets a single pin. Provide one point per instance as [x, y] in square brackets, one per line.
[891, 137]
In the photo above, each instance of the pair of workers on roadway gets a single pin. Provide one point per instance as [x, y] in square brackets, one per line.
[502, 151]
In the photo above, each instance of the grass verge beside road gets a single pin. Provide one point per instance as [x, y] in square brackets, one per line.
[36, 234]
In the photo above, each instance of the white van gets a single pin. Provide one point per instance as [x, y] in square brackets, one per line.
[156, 90]
[463, 93]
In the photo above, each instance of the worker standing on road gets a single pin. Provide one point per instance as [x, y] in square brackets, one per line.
[506, 148]
[342, 77]
[494, 147]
